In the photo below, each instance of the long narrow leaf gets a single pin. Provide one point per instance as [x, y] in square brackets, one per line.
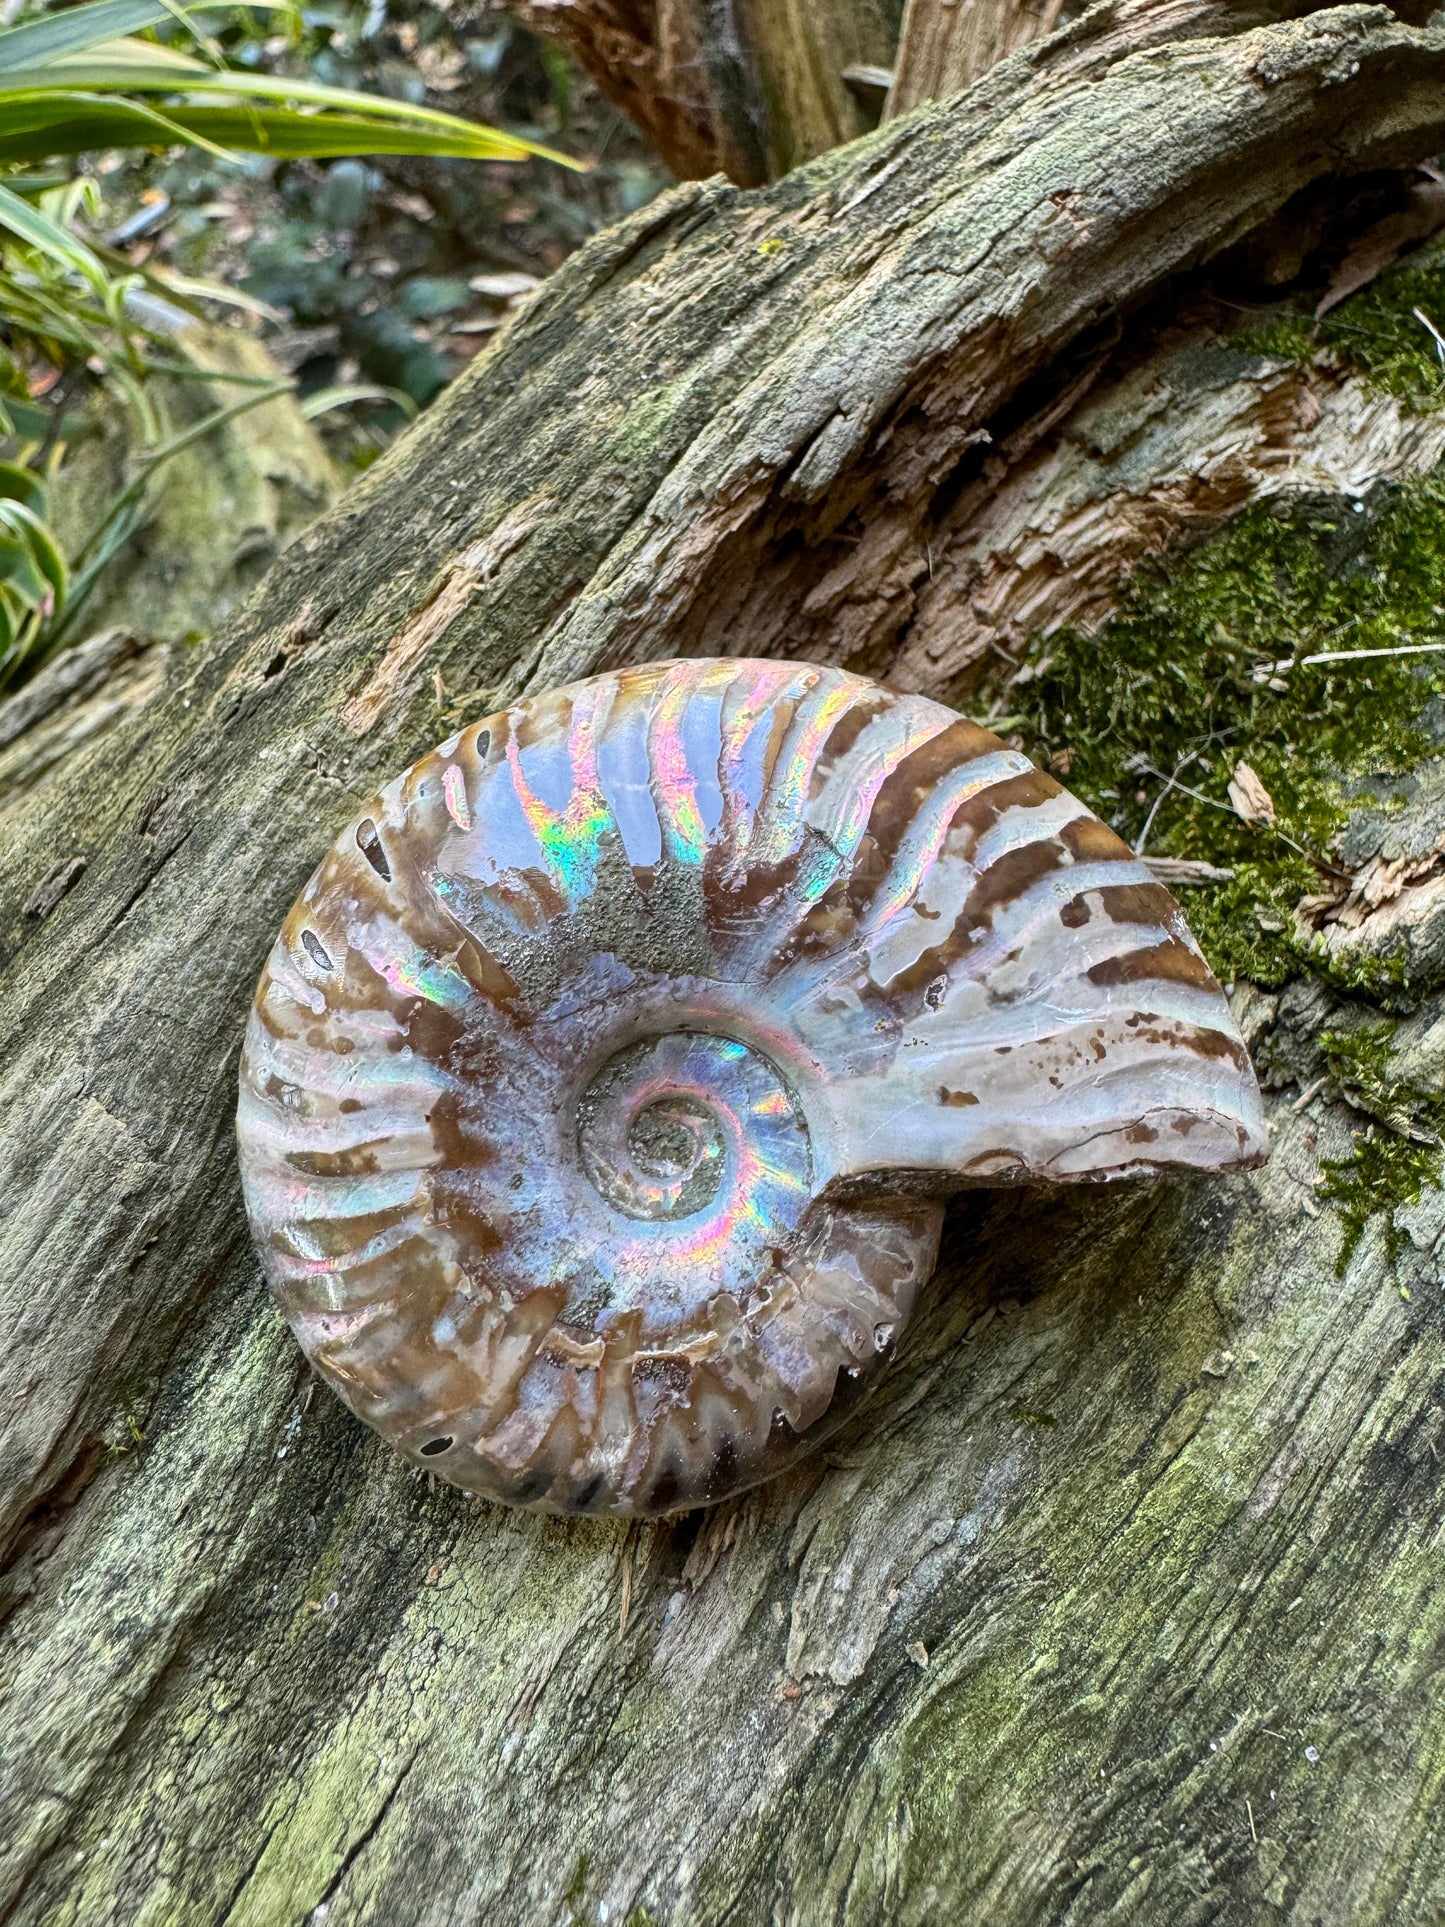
[188, 287]
[73, 322]
[76, 28]
[115, 63]
[288, 135]
[344, 394]
[22, 485]
[28, 224]
[21, 529]
[314, 93]
[45, 121]
[65, 202]
[168, 77]
[18, 571]
[30, 423]
[262, 130]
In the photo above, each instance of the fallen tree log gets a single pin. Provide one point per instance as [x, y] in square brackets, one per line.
[1117, 1601]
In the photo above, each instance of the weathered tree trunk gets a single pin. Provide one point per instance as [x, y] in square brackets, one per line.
[746, 88]
[1118, 1601]
[946, 45]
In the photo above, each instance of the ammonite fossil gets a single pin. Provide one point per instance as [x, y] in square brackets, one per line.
[603, 1087]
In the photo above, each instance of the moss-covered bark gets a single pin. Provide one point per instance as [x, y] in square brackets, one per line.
[1117, 1603]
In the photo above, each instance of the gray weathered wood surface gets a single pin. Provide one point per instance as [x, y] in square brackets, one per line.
[1119, 1602]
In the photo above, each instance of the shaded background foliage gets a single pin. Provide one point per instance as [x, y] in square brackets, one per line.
[367, 266]
[371, 283]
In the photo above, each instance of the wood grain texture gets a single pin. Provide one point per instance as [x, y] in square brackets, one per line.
[747, 88]
[945, 45]
[1118, 1603]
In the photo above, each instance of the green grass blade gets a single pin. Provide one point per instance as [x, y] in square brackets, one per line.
[115, 64]
[344, 394]
[189, 288]
[313, 93]
[41, 122]
[291, 136]
[284, 94]
[262, 130]
[38, 231]
[56, 34]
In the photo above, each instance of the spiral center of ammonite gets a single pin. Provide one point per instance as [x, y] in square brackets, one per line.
[673, 1126]
[677, 1139]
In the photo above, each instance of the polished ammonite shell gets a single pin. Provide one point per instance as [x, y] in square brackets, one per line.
[604, 1084]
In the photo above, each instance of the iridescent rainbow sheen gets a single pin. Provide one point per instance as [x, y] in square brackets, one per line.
[603, 1086]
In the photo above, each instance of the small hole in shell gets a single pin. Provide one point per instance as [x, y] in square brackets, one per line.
[434, 1446]
[369, 843]
[316, 950]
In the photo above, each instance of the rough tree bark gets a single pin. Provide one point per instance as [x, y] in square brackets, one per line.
[746, 88]
[1117, 1602]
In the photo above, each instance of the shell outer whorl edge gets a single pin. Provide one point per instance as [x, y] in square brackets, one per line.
[602, 1084]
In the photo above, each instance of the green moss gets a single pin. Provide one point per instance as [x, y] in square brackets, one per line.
[1388, 1167]
[1361, 1062]
[1378, 332]
[577, 1886]
[645, 423]
[1381, 333]
[1382, 1173]
[1203, 667]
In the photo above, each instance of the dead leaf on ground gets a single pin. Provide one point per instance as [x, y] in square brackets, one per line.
[1252, 801]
